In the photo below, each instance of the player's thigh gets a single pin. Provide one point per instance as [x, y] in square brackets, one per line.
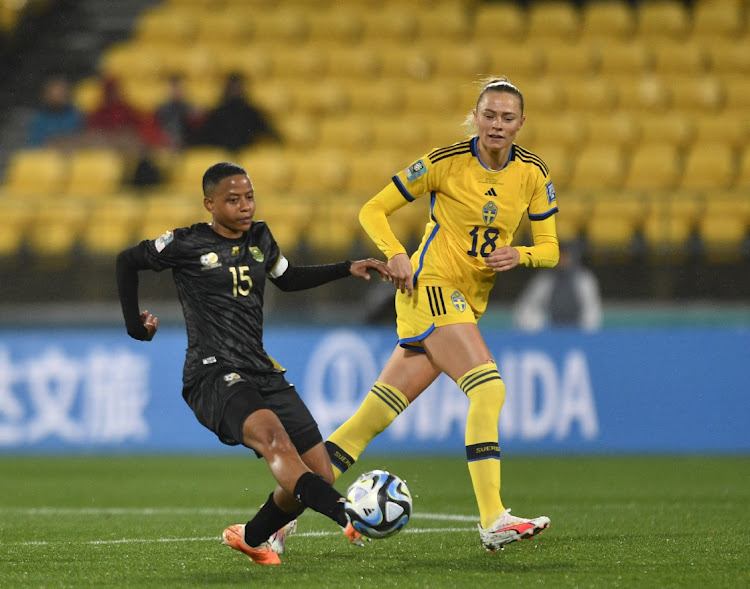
[456, 349]
[263, 431]
[410, 372]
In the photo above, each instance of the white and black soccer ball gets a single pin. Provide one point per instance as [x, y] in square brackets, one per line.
[378, 504]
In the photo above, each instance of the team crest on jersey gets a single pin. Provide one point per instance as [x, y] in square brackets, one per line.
[163, 241]
[416, 170]
[458, 301]
[232, 378]
[210, 261]
[551, 196]
[256, 253]
[489, 212]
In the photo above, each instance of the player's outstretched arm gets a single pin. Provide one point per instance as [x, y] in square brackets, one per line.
[361, 268]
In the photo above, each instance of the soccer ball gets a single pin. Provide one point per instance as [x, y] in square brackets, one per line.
[378, 504]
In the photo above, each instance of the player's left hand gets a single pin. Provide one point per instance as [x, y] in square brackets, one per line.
[362, 269]
[503, 259]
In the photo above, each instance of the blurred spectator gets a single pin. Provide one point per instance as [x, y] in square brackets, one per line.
[564, 296]
[115, 123]
[235, 123]
[57, 118]
[177, 117]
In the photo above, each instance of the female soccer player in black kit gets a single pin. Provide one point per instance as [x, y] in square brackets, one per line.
[232, 385]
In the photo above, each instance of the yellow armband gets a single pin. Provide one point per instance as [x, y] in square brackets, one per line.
[374, 219]
[546, 251]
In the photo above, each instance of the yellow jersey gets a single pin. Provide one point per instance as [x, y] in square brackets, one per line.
[473, 211]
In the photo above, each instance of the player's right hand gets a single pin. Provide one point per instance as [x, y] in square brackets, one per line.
[151, 323]
[400, 266]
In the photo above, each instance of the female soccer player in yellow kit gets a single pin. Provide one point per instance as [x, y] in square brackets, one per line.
[479, 190]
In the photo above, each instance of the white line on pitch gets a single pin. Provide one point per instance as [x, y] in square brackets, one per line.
[217, 539]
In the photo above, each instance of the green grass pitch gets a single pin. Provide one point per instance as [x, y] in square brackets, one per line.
[147, 521]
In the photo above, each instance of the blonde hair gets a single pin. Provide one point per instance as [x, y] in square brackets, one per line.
[490, 84]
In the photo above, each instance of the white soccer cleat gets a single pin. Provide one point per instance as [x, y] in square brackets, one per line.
[277, 541]
[508, 528]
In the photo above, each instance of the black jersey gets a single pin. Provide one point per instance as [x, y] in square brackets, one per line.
[220, 282]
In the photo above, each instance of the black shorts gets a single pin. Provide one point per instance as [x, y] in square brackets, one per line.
[223, 398]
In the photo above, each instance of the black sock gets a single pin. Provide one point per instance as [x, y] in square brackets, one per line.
[269, 518]
[314, 492]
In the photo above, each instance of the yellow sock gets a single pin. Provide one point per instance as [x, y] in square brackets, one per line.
[381, 406]
[486, 393]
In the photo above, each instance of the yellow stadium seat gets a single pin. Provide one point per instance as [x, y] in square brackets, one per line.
[559, 161]
[653, 166]
[319, 173]
[610, 236]
[543, 96]
[87, 94]
[403, 133]
[737, 96]
[159, 23]
[569, 60]
[717, 20]
[204, 92]
[145, 95]
[287, 216]
[659, 19]
[675, 128]
[334, 229]
[297, 64]
[359, 64]
[380, 96]
[349, 133]
[273, 97]
[624, 58]
[642, 94]
[409, 62]
[397, 26]
[341, 26]
[267, 168]
[57, 227]
[369, 174]
[187, 172]
[430, 97]
[250, 61]
[298, 131]
[17, 215]
[680, 57]
[457, 63]
[743, 176]
[590, 95]
[95, 173]
[708, 166]
[598, 167]
[191, 61]
[725, 128]
[722, 237]
[553, 19]
[517, 61]
[491, 17]
[607, 21]
[275, 28]
[691, 94]
[35, 171]
[166, 213]
[222, 24]
[448, 24]
[131, 60]
[552, 129]
[666, 232]
[617, 128]
[729, 57]
[112, 225]
[574, 212]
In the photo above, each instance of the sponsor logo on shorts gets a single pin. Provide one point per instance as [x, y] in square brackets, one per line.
[416, 170]
[163, 241]
[210, 360]
[489, 212]
[256, 253]
[458, 301]
[210, 261]
[232, 378]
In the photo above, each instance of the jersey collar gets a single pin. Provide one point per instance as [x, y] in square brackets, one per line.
[475, 153]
